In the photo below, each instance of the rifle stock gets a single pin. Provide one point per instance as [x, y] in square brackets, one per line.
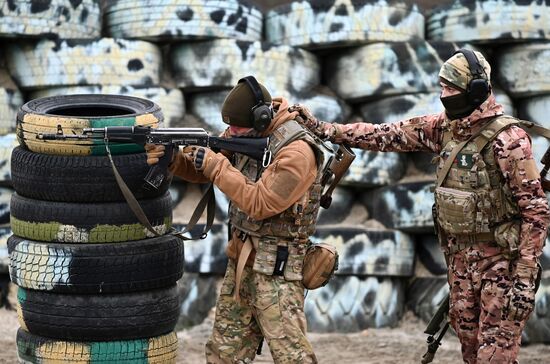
[438, 323]
[343, 158]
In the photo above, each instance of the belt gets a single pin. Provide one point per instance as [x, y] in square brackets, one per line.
[466, 241]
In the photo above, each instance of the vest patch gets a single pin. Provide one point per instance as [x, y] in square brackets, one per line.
[464, 161]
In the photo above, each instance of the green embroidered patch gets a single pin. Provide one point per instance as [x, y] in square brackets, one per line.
[464, 161]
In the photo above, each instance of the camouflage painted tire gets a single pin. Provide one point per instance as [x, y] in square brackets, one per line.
[425, 294]
[539, 145]
[183, 20]
[523, 69]
[5, 197]
[170, 100]
[370, 169]
[156, 350]
[279, 68]
[313, 24]
[535, 109]
[8, 143]
[430, 254]
[96, 268]
[88, 62]
[5, 232]
[96, 317]
[385, 69]
[401, 107]
[364, 251]
[404, 206]
[75, 112]
[197, 293]
[343, 200]
[323, 103]
[489, 21]
[107, 222]
[350, 304]
[207, 256]
[537, 329]
[10, 100]
[80, 178]
[54, 18]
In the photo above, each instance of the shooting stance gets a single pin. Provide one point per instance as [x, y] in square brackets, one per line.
[273, 211]
[490, 210]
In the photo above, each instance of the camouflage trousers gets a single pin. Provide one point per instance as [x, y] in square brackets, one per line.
[480, 279]
[270, 307]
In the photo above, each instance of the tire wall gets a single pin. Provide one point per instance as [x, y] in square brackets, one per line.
[347, 60]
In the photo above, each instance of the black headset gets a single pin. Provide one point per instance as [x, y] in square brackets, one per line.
[261, 113]
[478, 88]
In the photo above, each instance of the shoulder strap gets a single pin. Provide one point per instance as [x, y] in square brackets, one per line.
[537, 129]
[486, 133]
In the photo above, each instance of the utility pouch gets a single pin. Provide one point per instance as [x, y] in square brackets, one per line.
[507, 237]
[320, 263]
[295, 261]
[266, 256]
[456, 210]
[280, 261]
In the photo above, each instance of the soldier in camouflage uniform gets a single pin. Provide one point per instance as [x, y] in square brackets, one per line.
[273, 211]
[491, 211]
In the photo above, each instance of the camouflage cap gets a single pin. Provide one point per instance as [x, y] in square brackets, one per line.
[238, 104]
[456, 70]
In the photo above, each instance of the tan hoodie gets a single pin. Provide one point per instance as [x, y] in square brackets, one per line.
[282, 184]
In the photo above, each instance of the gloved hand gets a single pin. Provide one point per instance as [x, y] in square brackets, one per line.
[200, 156]
[521, 298]
[322, 129]
[154, 152]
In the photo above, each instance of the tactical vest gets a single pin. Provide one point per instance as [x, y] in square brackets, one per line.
[296, 223]
[473, 203]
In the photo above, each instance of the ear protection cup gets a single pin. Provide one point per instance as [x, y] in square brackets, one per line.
[478, 88]
[261, 114]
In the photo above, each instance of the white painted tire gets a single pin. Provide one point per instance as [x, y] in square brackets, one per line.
[198, 294]
[5, 233]
[489, 21]
[63, 19]
[362, 251]
[207, 107]
[351, 304]
[313, 23]
[7, 143]
[170, 100]
[90, 62]
[523, 69]
[219, 64]
[404, 206]
[183, 20]
[385, 69]
[535, 109]
[10, 101]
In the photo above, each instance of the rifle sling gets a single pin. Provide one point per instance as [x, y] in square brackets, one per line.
[208, 201]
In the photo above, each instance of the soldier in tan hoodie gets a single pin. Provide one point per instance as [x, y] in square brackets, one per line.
[272, 213]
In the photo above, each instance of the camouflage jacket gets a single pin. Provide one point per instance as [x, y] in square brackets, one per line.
[512, 149]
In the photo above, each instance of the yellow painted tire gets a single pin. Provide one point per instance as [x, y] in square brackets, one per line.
[72, 113]
[39, 350]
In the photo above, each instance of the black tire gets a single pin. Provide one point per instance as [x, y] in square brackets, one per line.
[404, 206]
[156, 350]
[96, 268]
[183, 20]
[86, 223]
[198, 294]
[79, 178]
[350, 304]
[370, 252]
[96, 317]
[49, 63]
[75, 112]
[315, 24]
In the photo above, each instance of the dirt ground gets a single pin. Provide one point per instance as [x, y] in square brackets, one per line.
[403, 345]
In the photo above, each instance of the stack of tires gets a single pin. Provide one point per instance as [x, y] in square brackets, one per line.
[94, 284]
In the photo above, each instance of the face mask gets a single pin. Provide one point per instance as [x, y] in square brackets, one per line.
[239, 131]
[457, 106]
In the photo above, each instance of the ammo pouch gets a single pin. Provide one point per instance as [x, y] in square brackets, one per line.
[275, 256]
[320, 263]
[507, 237]
[456, 211]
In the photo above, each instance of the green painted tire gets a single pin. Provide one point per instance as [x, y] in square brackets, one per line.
[38, 350]
[66, 222]
[73, 113]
